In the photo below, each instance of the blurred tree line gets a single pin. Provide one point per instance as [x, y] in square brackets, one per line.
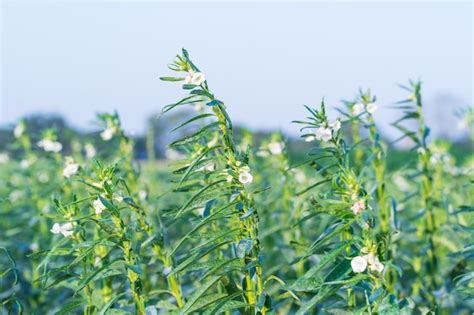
[153, 143]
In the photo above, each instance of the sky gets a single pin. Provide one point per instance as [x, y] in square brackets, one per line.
[264, 59]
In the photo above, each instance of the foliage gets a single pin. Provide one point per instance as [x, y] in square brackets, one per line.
[234, 222]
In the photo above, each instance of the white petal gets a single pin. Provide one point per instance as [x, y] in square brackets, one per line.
[56, 229]
[359, 263]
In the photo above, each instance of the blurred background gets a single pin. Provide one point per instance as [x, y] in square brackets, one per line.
[64, 61]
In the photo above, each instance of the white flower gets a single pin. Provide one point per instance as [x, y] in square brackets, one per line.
[66, 229]
[56, 229]
[200, 106]
[359, 263]
[50, 145]
[25, 164]
[358, 109]
[463, 123]
[167, 271]
[107, 134]
[275, 148]
[196, 78]
[43, 177]
[4, 158]
[323, 134]
[19, 130]
[358, 207]
[421, 150]
[98, 206]
[371, 108]
[374, 263]
[142, 195]
[34, 247]
[309, 138]
[90, 150]
[245, 177]
[335, 125]
[70, 169]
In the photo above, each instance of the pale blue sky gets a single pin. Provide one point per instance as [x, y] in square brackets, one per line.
[263, 59]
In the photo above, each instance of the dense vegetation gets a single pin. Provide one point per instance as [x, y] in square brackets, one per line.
[233, 224]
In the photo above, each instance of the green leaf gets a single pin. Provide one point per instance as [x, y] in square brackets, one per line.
[171, 79]
[193, 299]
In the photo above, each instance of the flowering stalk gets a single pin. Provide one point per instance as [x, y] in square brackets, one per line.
[334, 165]
[114, 129]
[237, 176]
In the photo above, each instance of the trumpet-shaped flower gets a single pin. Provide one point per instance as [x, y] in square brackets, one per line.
[4, 158]
[50, 145]
[245, 177]
[107, 134]
[323, 134]
[371, 108]
[358, 207]
[358, 109]
[275, 148]
[66, 229]
[359, 263]
[374, 263]
[335, 125]
[310, 138]
[98, 206]
[195, 78]
[70, 169]
[90, 150]
[19, 130]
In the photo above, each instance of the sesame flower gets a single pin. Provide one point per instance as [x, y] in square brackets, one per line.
[359, 263]
[142, 195]
[90, 150]
[70, 169]
[98, 206]
[358, 207]
[4, 158]
[107, 134]
[323, 134]
[195, 78]
[358, 109]
[371, 108]
[374, 263]
[200, 106]
[244, 176]
[66, 229]
[19, 130]
[167, 271]
[310, 138]
[50, 145]
[25, 163]
[335, 125]
[275, 148]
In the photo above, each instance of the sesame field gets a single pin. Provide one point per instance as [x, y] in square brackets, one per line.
[336, 221]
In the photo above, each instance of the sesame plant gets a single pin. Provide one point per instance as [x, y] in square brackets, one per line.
[222, 247]
[353, 263]
[232, 221]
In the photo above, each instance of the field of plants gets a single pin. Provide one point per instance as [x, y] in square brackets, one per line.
[232, 224]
